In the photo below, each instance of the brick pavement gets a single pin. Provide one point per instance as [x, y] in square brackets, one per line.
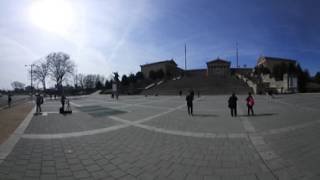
[156, 139]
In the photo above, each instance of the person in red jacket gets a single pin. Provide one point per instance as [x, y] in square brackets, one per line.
[250, 104]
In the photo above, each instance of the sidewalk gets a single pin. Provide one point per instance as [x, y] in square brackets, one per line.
[11, 118]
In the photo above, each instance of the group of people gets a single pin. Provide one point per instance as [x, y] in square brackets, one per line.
[63, 109]
[232, 104]
[38, 100]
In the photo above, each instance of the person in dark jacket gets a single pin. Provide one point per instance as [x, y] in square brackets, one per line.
[189, 100]
[39, 101]
[232, 103]
[250, 104]
[63, 101]
[192, 93]
[9, 100]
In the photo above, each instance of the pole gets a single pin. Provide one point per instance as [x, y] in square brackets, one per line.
[185, 57]
[31, 84]
[31, 81]
[237, 56]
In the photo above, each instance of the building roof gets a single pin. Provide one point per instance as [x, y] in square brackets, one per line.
[242, 69]
[268, 58]
[160, 62]
[218, 60]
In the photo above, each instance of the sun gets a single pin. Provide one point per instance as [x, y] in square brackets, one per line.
[56, 16]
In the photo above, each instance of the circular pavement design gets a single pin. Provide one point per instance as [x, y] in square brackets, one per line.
[131, 149]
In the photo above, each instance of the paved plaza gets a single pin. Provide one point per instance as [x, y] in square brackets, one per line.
[153, 137]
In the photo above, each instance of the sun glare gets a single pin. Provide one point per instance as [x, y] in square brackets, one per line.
[55, 16]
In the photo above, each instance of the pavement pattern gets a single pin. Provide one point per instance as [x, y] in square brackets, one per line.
[152, 137]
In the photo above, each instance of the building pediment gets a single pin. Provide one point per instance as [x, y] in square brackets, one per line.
[218, 61]
[172, 62]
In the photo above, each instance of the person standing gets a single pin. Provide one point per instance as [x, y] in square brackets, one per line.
[63, 101]
[39, 101]
[9, 100]
[192, 93]
[250, 104]
[232, 103]
[189, 100]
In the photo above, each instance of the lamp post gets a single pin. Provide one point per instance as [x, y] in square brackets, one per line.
[31, 70]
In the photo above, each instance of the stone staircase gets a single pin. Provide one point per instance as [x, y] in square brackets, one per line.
[202, 83]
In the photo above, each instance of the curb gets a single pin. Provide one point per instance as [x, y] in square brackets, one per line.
[8, 145]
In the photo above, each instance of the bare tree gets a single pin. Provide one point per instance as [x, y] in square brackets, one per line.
[60, 67]
[99, 81]
[41, 72]
[17, 85]
[79, 80]
[89, 81]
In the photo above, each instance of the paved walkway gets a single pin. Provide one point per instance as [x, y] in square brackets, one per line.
[153, 138]
[10, 118]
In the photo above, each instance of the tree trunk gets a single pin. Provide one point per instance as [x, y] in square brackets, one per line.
[44, 86]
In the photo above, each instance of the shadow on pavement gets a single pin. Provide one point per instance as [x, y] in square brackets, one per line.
[205, 115]
[259, 115]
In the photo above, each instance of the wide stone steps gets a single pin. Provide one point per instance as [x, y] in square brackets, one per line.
[206, 85]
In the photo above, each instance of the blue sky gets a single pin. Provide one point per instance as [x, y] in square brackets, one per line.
[104, 36]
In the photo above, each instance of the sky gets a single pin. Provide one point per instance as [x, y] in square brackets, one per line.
[105, 36]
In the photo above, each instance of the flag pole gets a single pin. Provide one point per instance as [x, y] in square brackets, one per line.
[185, 57]
[237, 56]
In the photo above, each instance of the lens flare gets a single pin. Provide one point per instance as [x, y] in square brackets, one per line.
[56, 16]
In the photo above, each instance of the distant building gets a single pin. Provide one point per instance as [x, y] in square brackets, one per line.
[169, 67]
[271, 62]
[218, 67]
[288, 83]
[242, 71]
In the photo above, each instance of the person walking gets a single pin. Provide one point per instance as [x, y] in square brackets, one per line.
[9, 100]
[189, 100]
[39, 101]
[232, 103]
[250, 104]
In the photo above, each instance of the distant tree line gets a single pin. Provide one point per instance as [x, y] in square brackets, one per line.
[131, 78]
[89, 81]
[316, 78]
[18, 86]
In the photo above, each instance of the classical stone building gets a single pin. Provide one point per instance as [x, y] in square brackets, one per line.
[288, 83]
[242, 71]
[169, 67]
[218, 67]
[271, 62]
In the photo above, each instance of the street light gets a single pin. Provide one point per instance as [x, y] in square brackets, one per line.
[31, 66]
